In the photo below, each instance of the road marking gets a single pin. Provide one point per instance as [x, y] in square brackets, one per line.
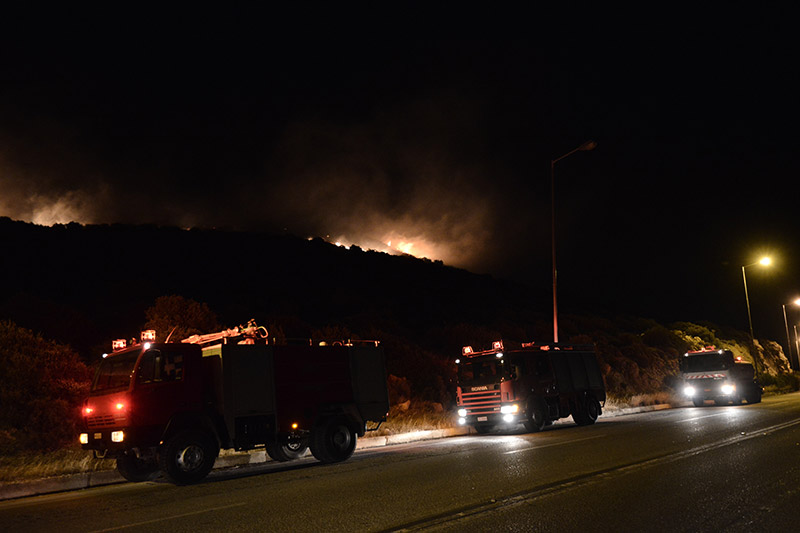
[554, 444]
[704, 416]
[580, 480]
[165, 518]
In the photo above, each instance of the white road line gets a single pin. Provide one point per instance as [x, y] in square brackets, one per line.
[165, 518]
[699, 417]
[554, 444]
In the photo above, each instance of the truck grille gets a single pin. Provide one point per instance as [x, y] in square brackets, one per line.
[101, 421]
[481, 403]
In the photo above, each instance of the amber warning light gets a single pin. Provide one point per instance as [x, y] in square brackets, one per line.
[118, 344]
[149, 335]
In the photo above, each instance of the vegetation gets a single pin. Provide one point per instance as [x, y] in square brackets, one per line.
[43, 383]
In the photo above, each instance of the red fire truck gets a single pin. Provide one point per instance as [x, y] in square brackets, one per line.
[529, 384]
[171, 407]
[712, 374]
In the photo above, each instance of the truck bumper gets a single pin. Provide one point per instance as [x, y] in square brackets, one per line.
[491, 419]
[106, 441]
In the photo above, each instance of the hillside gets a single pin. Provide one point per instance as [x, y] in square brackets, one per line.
[85, 285]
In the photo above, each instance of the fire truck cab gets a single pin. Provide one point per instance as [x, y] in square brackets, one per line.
[712, 374]
[529, 384]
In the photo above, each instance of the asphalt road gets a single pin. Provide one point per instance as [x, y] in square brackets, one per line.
[690, 469]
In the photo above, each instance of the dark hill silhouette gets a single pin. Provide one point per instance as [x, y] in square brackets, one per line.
[88, 284]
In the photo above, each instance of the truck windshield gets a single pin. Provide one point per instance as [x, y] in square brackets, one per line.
[712, 361]
[480, 372]
[115, 372]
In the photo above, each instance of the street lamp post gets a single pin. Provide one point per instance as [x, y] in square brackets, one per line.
[765, 261]
[796, 346]
[794, 362]
[588, 145]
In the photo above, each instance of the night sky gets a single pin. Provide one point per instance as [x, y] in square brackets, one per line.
[432, 131]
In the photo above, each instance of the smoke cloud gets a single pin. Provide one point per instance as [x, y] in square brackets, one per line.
[410, 180]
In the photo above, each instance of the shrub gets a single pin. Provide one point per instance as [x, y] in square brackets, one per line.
[43, 385]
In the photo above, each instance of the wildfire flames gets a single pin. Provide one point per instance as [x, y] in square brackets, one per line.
[395, 244]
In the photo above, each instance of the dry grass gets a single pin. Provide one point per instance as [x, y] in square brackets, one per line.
[641, 400]
[27, 466]
[419, 416]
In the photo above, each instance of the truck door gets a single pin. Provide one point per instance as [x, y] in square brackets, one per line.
[159, 391]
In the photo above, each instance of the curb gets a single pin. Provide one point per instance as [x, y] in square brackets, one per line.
[22, 489]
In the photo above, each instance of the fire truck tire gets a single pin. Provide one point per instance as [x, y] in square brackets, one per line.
[585, 411]
[136, 470]
[592, 409]
[287, 451]
[187, 457]
[754, 397]
[333, 440]
[537, 415]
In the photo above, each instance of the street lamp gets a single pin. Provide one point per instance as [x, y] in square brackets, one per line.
[764, 261]
[795, 364]
[796, 344]
[585, 147]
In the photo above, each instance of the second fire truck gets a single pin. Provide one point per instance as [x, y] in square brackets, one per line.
[528, 384]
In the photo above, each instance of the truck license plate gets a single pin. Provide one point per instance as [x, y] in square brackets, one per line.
[483, 418]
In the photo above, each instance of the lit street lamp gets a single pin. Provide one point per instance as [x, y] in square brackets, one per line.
[793, 362]
[588, 145]
[764, 261]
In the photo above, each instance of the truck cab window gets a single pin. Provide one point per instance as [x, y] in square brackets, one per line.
[157, 366]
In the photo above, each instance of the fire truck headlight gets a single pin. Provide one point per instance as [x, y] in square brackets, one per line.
[508, 418]
[509, 409]
[462, 421]
[84, 438]
[728, 388]
[117, 436]
[462, 413]
[689, 390]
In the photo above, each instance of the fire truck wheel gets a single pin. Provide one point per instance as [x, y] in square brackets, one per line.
[333, 440]
[136, 470]
[187, 457]
[585, 411]
[592, 409]
[754, 397]
[537, 416]
[287, 451]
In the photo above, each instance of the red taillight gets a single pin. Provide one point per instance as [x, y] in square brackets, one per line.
[120, 406]
[88, 410]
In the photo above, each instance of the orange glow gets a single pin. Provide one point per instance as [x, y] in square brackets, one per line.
[396, 243]
[149, 335]
[118, 344]
[88, 410]
[120, 406]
